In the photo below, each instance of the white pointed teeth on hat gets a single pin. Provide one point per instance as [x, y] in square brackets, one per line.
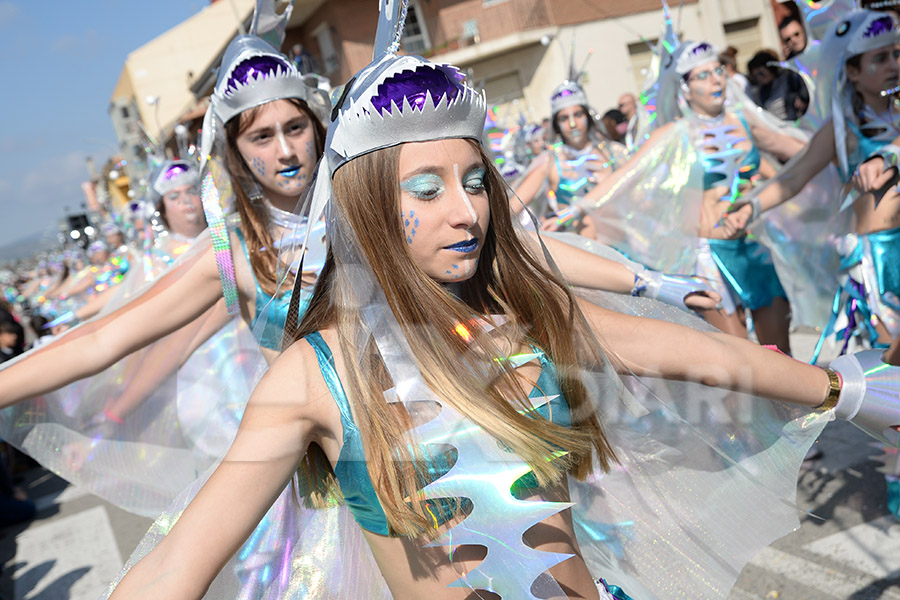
[876, 30]
[694, 54]
[254, 74]
[567, 94]
[403, 99]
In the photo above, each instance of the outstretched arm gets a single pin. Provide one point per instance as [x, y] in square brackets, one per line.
[608, 183]
[788, 182]
[281, 419]
[177, 298]
[531, 184]
[781, 146]
[586, 269]
[654, 348]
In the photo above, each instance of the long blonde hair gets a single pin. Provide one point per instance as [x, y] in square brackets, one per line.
[508, 281]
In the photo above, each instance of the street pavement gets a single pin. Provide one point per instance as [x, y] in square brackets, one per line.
[847, 546]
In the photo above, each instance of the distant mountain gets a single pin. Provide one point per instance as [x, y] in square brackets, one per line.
[29, 245]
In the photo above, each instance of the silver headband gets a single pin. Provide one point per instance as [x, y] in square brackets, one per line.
[567, 94]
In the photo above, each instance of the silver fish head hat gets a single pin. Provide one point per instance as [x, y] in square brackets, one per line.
[172, 174]
[397, 99]
[856, 33]
[252, 74]
[691, 55]
[868, 30]
[566, 94]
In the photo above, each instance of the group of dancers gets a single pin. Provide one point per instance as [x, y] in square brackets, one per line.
[389, 373]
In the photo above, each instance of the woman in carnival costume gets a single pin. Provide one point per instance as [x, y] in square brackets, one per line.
[861, 137]
[174, 223]
[272, 141]
[572, 166]
[663, 207]
[560, 481]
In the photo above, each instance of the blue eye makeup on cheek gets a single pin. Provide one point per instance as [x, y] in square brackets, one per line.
[424, 187]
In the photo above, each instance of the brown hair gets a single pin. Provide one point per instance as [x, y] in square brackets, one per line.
[254, 218]
[508, 281]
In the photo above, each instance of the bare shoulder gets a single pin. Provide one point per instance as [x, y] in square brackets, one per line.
[294, 383]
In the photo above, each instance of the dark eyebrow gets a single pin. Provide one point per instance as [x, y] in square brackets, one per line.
[424, 170]
[268, 128]
[438, 170]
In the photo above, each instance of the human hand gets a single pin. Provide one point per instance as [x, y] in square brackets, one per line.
[734, 222]
[872, 175]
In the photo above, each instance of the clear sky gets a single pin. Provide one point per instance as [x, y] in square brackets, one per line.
[60, 61]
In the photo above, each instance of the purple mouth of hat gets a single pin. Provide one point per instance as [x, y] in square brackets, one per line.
[174, 171]
[464, 247]
[256, 67]
[415, 86]
[879, 26]
[563, 94]
[701, 48]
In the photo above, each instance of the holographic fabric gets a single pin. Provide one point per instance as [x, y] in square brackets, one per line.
[140, 431]
[868, 294]
[652, 212]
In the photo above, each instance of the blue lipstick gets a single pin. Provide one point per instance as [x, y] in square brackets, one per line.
[292, 172]
[464, 247]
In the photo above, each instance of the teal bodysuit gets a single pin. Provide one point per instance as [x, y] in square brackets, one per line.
[866, 146]
[352, 473]
[276, 312]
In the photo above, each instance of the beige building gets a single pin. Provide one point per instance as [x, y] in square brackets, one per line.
[518, 49]
[154, 87]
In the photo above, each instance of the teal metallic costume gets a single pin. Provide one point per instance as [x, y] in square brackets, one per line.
[353, 476]
[870, 292]
[270, 312]
[745, 266]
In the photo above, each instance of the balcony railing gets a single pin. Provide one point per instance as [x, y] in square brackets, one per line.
[465, 24]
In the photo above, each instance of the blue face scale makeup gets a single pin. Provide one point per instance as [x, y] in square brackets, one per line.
[410, 223]
[259, 166]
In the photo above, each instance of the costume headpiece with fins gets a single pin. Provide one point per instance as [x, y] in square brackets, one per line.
[855, 33]
[569, 92]
[659, 98]
[393, 100]
[172, 174]
[252, 73]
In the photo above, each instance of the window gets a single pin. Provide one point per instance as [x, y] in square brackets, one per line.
[330, 59]
[415, 34]
[470, 31]
[124, 111]
[641, 55]
[745, 36]
[503, 88]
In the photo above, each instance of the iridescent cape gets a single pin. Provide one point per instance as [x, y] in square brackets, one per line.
[652, 213]
[139, 432]
[705, 479]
